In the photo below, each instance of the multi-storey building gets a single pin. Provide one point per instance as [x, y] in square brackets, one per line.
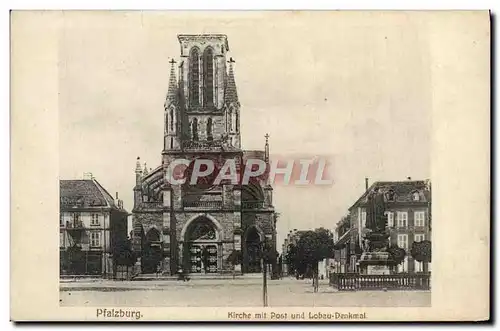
[407, 208]
[342, 239]
[91, 222]
[196, 228]
[292, 238]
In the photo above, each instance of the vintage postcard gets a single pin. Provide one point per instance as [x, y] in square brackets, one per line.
[250, 166]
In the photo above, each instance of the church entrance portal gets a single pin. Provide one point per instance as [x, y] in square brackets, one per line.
[152, 252]
[253, 245]
[202, 246]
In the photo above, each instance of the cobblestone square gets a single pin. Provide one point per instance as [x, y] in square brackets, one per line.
[230, 293]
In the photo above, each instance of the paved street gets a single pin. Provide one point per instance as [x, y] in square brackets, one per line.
[229, 293]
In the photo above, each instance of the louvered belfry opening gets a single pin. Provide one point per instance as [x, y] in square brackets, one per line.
[194, 77]
[208, 78]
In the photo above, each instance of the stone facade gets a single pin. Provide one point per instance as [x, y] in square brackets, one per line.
[91, 224]
[199, 228]
[407, 208]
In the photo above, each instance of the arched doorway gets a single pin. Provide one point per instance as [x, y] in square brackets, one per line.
[201, 246]
[152, 253]
[253, 251]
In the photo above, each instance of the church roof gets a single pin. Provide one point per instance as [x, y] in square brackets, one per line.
[84, 193]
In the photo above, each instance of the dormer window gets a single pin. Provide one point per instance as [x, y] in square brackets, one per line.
[390, 195]
[415, 196]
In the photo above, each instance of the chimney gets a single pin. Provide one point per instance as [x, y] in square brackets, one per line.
[366, 183]
[117, 195]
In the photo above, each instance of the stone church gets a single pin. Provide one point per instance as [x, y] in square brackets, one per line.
[202, 228]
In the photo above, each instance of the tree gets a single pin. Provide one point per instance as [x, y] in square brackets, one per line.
[397, 255]
[123, 254]
[270, 256]
[235, 257]
[291, 258]
[313, 247]
[422, 252]
[76, 260]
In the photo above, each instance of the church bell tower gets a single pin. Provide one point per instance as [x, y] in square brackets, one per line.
[202, 107]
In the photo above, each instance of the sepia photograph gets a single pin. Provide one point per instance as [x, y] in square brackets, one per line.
[252, 159]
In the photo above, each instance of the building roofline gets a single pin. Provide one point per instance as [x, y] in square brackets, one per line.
[104, 192]
[379, 183]
[182, 37]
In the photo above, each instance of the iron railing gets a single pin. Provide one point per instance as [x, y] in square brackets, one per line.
[202, 204]
[252, 204]
[355, 281]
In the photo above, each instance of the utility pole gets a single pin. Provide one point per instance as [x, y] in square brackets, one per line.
[264, 275]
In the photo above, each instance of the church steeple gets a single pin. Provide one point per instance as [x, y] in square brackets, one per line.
[232, 107]
[172, 84]
[138, 171]
[231, 94]
[171, 137]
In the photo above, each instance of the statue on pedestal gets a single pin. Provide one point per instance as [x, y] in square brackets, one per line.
[376, 238]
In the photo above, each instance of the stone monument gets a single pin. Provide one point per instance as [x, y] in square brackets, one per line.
[375, 260]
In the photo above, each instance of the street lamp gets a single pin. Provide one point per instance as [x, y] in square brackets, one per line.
[264, 272]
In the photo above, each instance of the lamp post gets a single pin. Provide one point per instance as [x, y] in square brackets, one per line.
[264, 273]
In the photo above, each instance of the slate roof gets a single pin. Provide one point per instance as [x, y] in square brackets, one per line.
[403, 191]
[84, 193]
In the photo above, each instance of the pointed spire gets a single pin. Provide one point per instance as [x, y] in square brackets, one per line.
[172, 83]
[145, 172]
[267, 147]
[138, 169]
[231, 93]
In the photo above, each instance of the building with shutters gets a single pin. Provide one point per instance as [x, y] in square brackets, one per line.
[91, 221]
[408, 212]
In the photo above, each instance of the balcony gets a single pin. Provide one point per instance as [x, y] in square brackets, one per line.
[152, 205]
[252, 204]
[202, 145]
[74, 225]
[202, 204]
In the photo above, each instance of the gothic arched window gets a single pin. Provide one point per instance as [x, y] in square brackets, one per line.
[194, 77]
[230, 120]
[166, 121]
[153, 235]
[194, 129]
[237, 129]
[208, 78]
[171, 119]
[209, 129]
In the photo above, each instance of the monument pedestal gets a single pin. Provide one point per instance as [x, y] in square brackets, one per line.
[375, 263]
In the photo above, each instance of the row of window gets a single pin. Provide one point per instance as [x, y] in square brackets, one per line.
[391, 196]
[401, 219]
[417, 266]
[403, 239]
[76, 218]
[95, 239]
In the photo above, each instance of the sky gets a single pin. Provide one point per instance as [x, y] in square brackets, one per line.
[354, 87]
